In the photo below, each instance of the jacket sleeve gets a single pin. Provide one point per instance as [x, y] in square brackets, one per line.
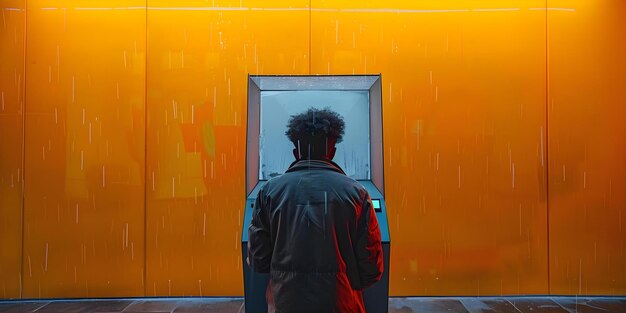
[368, 248]
[260, 245]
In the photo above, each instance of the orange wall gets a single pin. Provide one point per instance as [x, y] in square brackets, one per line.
[85, 150]
[587, 160]
[11, 146]
[134, 140]
[463, 104]
[198, 62]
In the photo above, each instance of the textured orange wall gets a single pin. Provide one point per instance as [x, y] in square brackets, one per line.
[134, 177]
[198, 61]
[85, 142]
[464, 115]
[11, 145]
[587, 137]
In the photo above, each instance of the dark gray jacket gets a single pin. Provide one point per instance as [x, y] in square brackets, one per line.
[315, 231]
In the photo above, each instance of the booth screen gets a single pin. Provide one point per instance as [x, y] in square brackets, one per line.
[353, 153]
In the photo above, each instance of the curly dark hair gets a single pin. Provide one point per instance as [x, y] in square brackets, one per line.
[314, 124]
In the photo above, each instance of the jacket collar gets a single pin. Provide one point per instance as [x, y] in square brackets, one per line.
[300, 165]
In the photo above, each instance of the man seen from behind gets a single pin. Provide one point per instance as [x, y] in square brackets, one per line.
[313, 228]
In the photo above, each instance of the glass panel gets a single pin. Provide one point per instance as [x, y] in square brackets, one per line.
[276, 108]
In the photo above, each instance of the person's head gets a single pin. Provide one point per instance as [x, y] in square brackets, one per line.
[314, 133]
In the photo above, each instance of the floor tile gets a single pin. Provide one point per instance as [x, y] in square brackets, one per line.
[586, 305]
[153, 306]
[610, 304]
[21, 307]
[211, 306]
[488, 305]
[424, 305]
[86, 306]
[536, 305]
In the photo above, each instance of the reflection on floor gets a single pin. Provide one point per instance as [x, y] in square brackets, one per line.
[396, 305]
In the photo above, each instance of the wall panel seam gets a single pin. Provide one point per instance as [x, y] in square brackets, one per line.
[547, 146]
[23, 185]
[145, 159]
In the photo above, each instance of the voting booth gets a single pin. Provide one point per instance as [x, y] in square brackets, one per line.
[271, 101]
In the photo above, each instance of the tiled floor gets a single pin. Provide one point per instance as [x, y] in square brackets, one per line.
[396, 305]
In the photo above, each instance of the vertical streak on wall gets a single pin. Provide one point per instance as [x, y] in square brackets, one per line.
[587, 120]
[12, 38]
[23, 155]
